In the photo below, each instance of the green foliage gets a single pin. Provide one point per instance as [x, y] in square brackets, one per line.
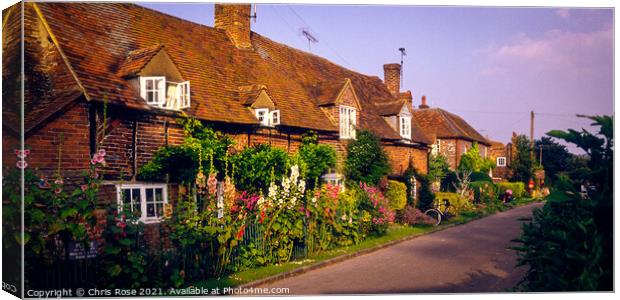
[396, 194]
[366, 160]
[317, 158]
[555, 156]
[484, 191]
[257, 166]
[517, 188]
[474, 162]
[425, 193]
[203, 149]
[449, 182]
[438, 168]
[522, 163]
[374, 211]
[568, 246]
[458, 202]
[480, 176]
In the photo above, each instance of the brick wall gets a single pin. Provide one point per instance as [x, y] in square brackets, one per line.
[45, 143]
[391, 78]
[400, 156]
[235, 19]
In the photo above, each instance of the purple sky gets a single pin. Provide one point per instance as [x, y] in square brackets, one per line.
[491, 65]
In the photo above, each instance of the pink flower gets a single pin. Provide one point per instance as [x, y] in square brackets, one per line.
[84, 187]
[57, 190]
[22, 153]
[212, 183]
[22, 164]
[58, 181]
[101, 152]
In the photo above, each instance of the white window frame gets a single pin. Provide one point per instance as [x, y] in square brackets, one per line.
[436, 148]
[499, 162]
[265, 116]
[143, 204]
[161, 92]
[348, 122]
[183, 94]
[405, 126]
[274, 117]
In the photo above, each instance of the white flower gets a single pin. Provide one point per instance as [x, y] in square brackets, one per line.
[273, 190]
[294, 173]
[350, 220]
[302, 186]
[344, 217]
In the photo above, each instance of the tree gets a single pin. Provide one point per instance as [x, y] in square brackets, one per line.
[438, 167]
[555, 156]
[366, 160]
[474, 162]
[522, 161]
[568, 246]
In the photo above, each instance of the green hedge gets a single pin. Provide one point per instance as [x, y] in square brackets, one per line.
[480, 176]
[518, 188]
[396, 194]
[460, 203]
[484, 191]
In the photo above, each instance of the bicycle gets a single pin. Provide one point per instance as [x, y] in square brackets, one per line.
[438, 214]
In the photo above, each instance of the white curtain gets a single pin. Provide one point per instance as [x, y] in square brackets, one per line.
[172, 97]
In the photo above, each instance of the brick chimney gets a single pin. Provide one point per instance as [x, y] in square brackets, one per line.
[391, 78]
[408, 97]
[423, 105]
[235, 20]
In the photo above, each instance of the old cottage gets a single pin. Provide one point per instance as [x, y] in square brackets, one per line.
[138, 71]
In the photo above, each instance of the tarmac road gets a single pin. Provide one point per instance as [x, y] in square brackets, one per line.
[469, 258]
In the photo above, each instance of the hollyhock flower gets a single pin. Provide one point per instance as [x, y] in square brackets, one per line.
[22, 153]
[22, 164]
[240, 232]
[58, 190]
[101, 153]
[84, 187]
[212, 183]
[344, 217]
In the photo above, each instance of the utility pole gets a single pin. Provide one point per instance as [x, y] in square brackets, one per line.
[532, 135]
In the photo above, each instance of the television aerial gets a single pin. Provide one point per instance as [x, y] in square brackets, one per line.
[307, 33]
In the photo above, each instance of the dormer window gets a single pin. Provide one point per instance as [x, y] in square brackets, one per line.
[348, 122]
[405, 126]
[158, 92]
[268, 118]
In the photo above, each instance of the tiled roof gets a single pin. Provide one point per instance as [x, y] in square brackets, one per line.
[442, 124]
[390, 108]
[103, 42]
[138, 59]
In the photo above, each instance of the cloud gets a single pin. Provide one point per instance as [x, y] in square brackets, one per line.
[563, 13]
[556, 52]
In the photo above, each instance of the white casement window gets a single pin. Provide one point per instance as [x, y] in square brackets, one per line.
[348, 122]
[274, 118]
[145, 200]
[262, 114]
[405, 126]
[436, 147]
[266, 117]
[183, 94]
[501, 161]
[158, 92]
[153, 90]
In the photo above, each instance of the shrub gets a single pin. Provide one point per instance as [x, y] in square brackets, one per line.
[413, 216]
[317, 159]
[480, 176]
[255, 167]
[473, 161]
[484, 191]
[366, 160]
[518, 188]
[448, 183]
[425, 192]
[438, 168]
[457, 201]
[396, 194]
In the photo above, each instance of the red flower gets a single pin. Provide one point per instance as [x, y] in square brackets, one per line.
[240, 233]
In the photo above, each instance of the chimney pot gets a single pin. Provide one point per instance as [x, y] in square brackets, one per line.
[235, 20]
[423, 105]
[391, 78]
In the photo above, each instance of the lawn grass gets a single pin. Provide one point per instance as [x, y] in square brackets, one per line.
[394, 233]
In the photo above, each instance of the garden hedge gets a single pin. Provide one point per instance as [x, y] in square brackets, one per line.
[518, 188]
[483, 190]
[396, 194]
[459, 202]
